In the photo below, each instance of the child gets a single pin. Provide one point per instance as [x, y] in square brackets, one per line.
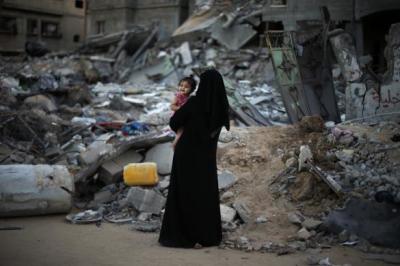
[185, 87]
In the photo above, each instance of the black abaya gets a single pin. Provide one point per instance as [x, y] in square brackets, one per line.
[192, 213]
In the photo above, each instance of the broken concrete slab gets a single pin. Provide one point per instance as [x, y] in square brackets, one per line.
[303, 234]
[162, 70]
[228, 214]
[345, 155]
[97, 149]
[185, 53]
[146, 200]
[243, 211]
[346, 54]
[111, 170]
[311, 224]
[295, 217]
[226, 180]
[305, 157]
[162, 155]
[35, 190]
[233, 37]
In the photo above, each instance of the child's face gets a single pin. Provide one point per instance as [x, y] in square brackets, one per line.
[184, 88]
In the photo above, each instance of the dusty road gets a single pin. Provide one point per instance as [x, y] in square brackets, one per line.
[49, 240]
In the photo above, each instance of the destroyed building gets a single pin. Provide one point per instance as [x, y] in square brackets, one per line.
[314, 100]
[104, 17]
[58, 24]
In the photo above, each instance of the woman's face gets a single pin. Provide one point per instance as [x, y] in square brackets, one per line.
[184, 87]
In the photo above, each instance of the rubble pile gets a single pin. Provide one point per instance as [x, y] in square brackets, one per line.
[107, 105]
[279, 204]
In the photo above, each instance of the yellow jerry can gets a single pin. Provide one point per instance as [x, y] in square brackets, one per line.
[140, 174]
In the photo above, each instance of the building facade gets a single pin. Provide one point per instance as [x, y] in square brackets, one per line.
[368, 20]
[104, 17]
[57, 23]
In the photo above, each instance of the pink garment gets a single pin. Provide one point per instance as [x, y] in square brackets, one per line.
[181, 99]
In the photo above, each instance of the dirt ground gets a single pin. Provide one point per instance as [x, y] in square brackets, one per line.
[255, 155]
[49, 240]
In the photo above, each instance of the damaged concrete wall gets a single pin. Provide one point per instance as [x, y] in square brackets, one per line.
[365, 95]
[107, 17]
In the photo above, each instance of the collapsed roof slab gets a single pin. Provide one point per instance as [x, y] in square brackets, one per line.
[233, 37]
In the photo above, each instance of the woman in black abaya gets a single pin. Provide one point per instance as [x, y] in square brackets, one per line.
[192, 215]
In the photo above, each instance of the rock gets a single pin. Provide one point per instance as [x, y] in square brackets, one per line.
[227, 195]
[298, 245]
[229, 227]
[329, 124]
[162, 185]
[243, 211]
[41, 101]
[325, 262]
[145, 200]
[295, 217]
[304, 186]
[291, 162]
[239, 74]
[303, 234]
[144, 216]
[345, 155]
[304, 156]
[311, 224]
[261, 219]
[162, 155]
[226, 180]
[228, 214]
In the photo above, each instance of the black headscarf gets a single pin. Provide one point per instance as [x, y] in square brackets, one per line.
[211, 96]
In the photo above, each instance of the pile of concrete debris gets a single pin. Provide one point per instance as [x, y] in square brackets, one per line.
[73, 120]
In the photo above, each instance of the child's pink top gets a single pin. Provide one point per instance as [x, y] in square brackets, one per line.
[181, 99]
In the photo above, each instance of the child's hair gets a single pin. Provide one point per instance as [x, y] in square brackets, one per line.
[191, 82]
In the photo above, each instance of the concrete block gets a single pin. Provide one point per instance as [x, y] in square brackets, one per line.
[145, 200]
[243, 211]
[228, 214]
[162, 155]
[111, 171]
[97, 149]
[304, 156]
[226, 180]
[27, 190]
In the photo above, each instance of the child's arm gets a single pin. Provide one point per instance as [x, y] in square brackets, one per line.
[174, 104]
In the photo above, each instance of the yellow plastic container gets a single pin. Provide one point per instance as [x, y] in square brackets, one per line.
[140, 174]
